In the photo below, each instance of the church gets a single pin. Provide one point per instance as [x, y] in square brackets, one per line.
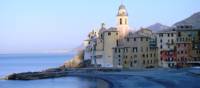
[120, 47]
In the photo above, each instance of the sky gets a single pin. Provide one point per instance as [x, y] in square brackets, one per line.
[31, 26]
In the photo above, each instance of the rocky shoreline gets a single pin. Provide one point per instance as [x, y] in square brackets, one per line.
[120, 78]
[35, 75]
[55, 73]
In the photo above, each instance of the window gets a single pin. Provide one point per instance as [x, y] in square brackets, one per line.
[172, 41]
[181, 52]
[161, 35]
[117, 42]
[120, 21]
[160, 40]
[141, 39]
[187, 26]
[168, 35]
[127, 39]
[115, 50]
[143, 56]
[134, 49]
[119, 56]
[109, 33]
[179, 34]
[161, 46]
[135, 61]
[135, 56]
[186, 39]
[126, 21]
[126, 50]
[182, 27]
[143, 61]
[134, 39]
[172, 35]
[131, 64]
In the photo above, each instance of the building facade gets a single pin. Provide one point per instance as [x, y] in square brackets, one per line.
[188, 46]
[118, 47]
[166, 43]
[138, 51]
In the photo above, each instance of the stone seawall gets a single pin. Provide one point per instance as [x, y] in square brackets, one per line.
[56, 72]
[35, 75]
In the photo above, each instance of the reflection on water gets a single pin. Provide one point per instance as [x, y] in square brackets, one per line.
[65, 82]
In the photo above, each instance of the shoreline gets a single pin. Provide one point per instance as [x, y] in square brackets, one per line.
[131, 78]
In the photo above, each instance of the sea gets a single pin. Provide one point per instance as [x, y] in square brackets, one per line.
[16, 63]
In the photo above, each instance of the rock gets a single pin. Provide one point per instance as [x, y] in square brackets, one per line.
[35, 75]
[76, 61]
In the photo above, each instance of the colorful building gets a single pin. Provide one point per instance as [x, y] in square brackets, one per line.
[166, 43]
[188, 46]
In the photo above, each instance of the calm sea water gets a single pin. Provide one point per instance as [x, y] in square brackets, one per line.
[36, 62]
[30, 62]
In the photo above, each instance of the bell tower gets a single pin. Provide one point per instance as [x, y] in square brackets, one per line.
[122, 21]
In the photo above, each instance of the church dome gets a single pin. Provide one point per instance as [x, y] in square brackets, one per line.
[122, 11]
[122, 7]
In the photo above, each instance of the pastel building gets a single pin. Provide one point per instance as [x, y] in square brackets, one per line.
[118, 47]
[166, 43]
[138, 51]
[188, 46]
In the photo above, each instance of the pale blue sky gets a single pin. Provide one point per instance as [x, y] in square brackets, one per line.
[54, 25]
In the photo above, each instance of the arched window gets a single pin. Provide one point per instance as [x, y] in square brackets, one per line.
[125, 21]
[120, 21]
